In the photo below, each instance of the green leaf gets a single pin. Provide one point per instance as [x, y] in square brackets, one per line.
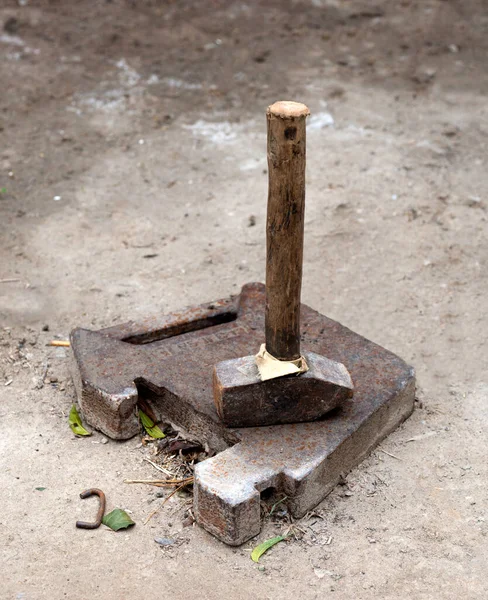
[276, 504]
[117, 519]
[40, 489]
[75, 423]
[3, 191]
[264, 547]
[151, 429]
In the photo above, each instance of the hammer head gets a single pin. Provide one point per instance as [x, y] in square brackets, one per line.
[243, 400]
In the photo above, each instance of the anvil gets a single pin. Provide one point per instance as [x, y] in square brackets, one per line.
[175, 366]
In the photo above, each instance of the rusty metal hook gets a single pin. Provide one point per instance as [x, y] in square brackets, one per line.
[101, 510]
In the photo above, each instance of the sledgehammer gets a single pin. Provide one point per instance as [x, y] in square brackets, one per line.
[279, 384]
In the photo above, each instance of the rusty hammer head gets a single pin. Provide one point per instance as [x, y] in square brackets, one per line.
[281, 385]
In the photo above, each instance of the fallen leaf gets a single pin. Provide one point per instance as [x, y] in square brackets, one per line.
[151, 429]
[264, 547]
[40, 489]
[276, 504]
[117, 519]
[75, 423]
[177, 445]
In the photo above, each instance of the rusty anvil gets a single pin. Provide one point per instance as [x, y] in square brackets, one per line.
[200, 369]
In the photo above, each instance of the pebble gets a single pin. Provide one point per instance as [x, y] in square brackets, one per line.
[188, 521]
[163, 541]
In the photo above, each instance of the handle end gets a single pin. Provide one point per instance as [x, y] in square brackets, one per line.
[286, 109]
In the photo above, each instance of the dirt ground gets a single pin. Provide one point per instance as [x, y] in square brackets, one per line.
[132, 156]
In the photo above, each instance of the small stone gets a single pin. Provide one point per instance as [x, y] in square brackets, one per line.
[450, 131]
[104, 440]
[11, 25]
[188, 521]
[164, 541]
[475, 202]
[424, 76]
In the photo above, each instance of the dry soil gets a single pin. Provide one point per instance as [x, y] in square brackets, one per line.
[132, 170]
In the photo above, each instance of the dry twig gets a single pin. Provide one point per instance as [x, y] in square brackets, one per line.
[161, 482]
[166, 500]
[390, 454]
[158, 467]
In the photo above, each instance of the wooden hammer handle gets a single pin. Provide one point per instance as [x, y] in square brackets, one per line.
[284, 232]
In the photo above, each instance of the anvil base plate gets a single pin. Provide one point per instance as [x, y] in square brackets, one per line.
[167, 363]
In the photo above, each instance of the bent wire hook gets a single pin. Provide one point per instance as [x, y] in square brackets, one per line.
[101, 510]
